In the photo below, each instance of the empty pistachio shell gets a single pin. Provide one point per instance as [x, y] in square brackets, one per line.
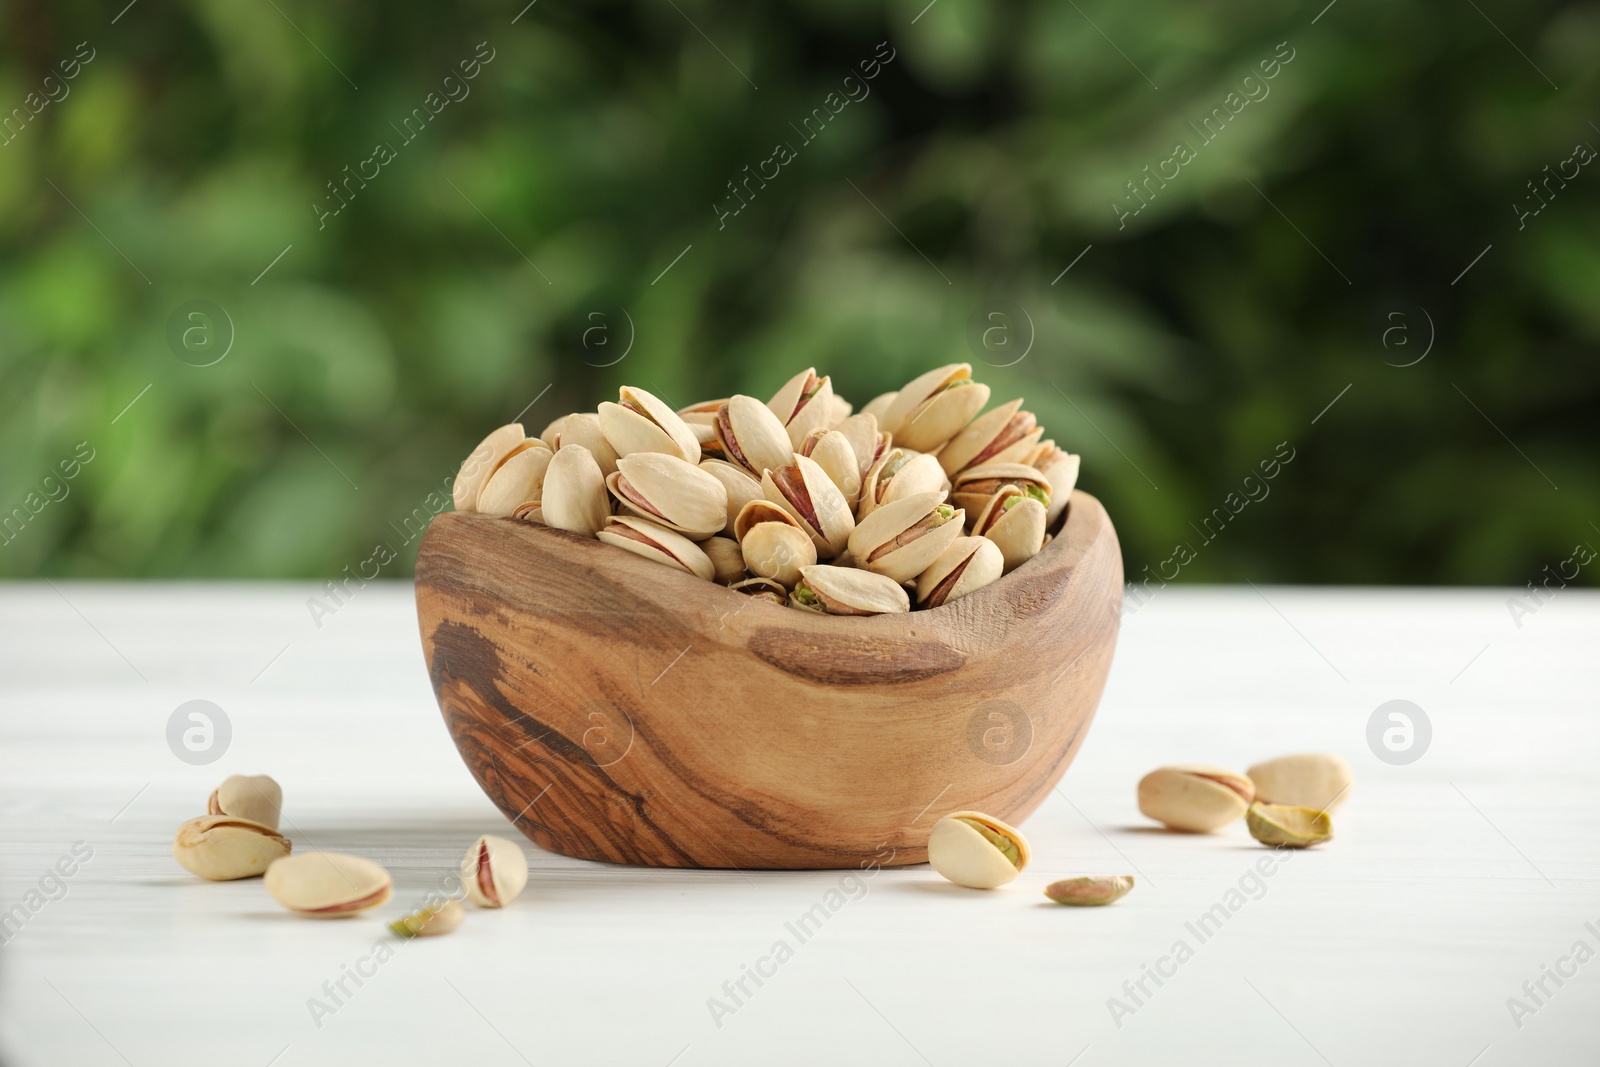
[977, 850]
[1090, 891]
[518, 481]
[430, 922]
[225, 847]
[584, 429]
[740, 485]
[752, 436]
[969, 564]
[903, 538]
[1194, 797]
[803, 404]
[1015, 521]
[805, 491]
[494, 871]
[248, 796]
[762, 589]
[1284, 824]
[477, 467]
[832, 452]
[846, 591]
[671, 491]
[897, 474]
[934, 407]
[1309, 780]
[640, 422]
[1061, 470]
[727, 559]
[655, 542]
[1005, 435]
[575, 492]
[328, 885]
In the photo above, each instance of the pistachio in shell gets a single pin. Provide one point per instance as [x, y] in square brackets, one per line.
[878, 407]
[804, 490]
[1006, 434]
[740, 485]
[1195, 797]
[517, 481]
[481, 463]
[1288, 826]
[976, 850]
[1309, 780]
[583, 428]
[222, 848]
[972, 488]
[833, 453]
[933, 407]
[752, 436]
[671, 491]
[657, 543]
[1061, 471]
[1090, 891]
[1014, 519]
[773, 543]
[804, 403]
[969, 564]
[494, 871]
[866, 441]
[897, 474]
[256, 797]
[575, 492]
[903, 538]
[328, 885]
[847, 591]
[727, 559]
[640, 422]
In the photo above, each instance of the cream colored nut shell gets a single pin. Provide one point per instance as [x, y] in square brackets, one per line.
[248, 796]
[856, 592]
[224, 847]
[727, 559]
[575, 496]
[1018, 530]
[508, 871]
[1308, 780]
[756, 434]
[778, 551]
[817, 413]
[686, 498]
[903, 564]
[834, 520]
[328, 885]
[967, 858]
[1193, 797]
[740, 485]
[481, 463]
[584, 429]
[675, 550]
[985, 567]
[1284, 825]
[920, 473]
[518, 481]
[833, 452]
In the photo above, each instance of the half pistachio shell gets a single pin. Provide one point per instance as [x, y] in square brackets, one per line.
[575, 492]
[933, 407]
[727, 559]
[805, 491]
[655, 542]
[847, 591]
[328, 885]
[902, 539]
[248, 796]
[1288, 826]
[969, 564]
[740, 485]
[774, 545]
[898, 473]
[972, 488]
[224, 847]
[1318, 780]
[481, 463]
[494, 871]
[1061, 471]
[671, 491]
[640, 422]
[803, 404]
[1195, 797]
[584, 429]
[762, 589]
[1091, 891]
[518, 481]
[1005, 435]
[833, 453]
[752, 436]
[977, 850]
[1015, 522]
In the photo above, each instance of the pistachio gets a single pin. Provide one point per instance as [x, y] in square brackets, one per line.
[1005, 435]
[977, 850]
[727, 559]
[878, 407]
[832, 452]
[671, 491]
[866, 441]
[248, 796]
[494, 871]
[897, 474]
[933, 407]
[969, 564]
[843, 591]
[738, 483]
[551, 434]
[1194, 797]
[803, 404]
[518, 481]
[805, 491]
[1090, 891]
[903, 538]
[430, 922]
[839, 409]
[584, 429]
[1061, 471]
[655, 542]
[762, 589]
[640, 422]
[224, 847]
[972, 488]
[773, 543]
[1288, 826]
[752, 436]
[1311, 780]
[477, 467]
[1015, 521]
[575, 492]
[328, 885]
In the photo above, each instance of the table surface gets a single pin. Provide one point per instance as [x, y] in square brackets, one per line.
[1454, 880]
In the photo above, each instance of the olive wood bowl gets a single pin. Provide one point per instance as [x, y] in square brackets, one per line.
[617, 709]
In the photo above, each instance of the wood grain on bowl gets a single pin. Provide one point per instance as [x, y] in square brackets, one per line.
[616, 709]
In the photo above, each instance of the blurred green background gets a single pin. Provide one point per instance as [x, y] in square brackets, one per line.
[1311, 249]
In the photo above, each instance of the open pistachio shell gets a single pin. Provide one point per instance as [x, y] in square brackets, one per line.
[671, 491]
[1061, 471]
[224, 847]
[1015, 521]
[976, 850]
[740, 485]
[969, 564]
[833, 453]
[1005, 435]
[655, 542]
[703, 413]
[762, 589]
[898, 473]
[575, 492]
[1288, 826]
[803, 404]
[1195, 797]
[901, 539]
[519, 480]
[494, 871]
[640, 422]
[248, 796]
[727, 559]
[805, 491]
[584, 429]
[751, 435]
[481, 463]
[972, 488]
[865, 440]
[1310, 780]
[878, 407]
[328, 885]
[846, 591]
[934, 407]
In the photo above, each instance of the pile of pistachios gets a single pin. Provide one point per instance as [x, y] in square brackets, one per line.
[915, 501]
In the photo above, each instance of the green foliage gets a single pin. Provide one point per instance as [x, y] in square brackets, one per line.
[597, 144]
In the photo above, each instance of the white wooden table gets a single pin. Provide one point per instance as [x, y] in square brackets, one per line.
[1454, 880]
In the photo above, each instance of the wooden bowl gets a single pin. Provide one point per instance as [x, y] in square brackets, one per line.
[616, 709]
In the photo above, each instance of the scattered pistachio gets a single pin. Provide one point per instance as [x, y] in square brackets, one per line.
[1194, 797]
[430, 922]
[248, 796]
[1311, 780]
[1287, 825]
[1090, 891]
[328, 885]
[223, 847]
[976, 850]
[494, 871]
